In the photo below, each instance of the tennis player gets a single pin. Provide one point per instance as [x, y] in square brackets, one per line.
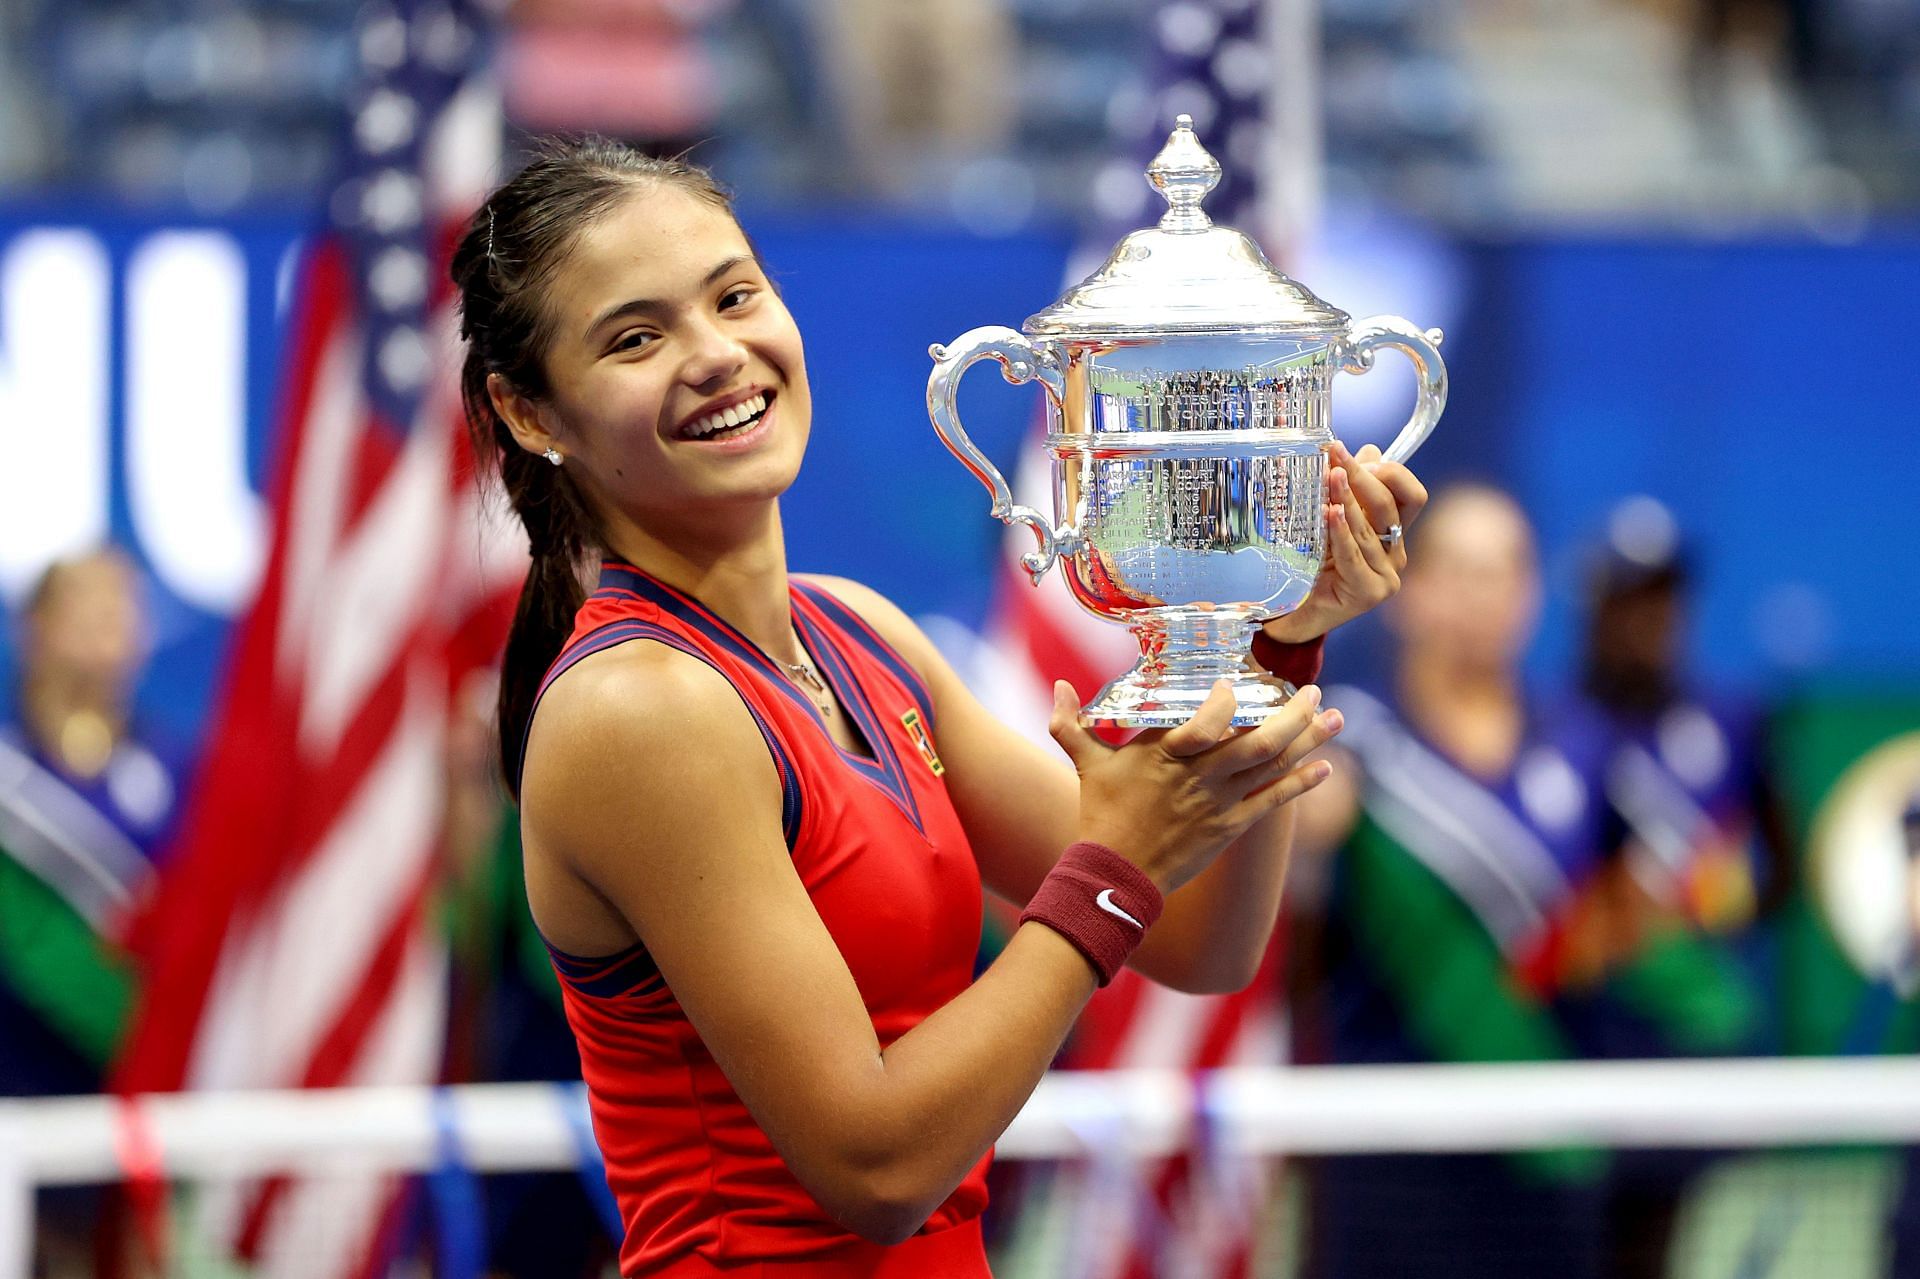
[758, 810]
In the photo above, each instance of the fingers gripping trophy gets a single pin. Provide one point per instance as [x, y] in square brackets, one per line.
[1187, 385]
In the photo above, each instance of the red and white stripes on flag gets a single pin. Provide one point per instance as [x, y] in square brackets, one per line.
[289, 945]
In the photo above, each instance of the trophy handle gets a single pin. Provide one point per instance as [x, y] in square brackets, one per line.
[1355, 355]
[1020, 361]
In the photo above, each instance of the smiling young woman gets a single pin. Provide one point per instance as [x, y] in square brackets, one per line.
[758, 810]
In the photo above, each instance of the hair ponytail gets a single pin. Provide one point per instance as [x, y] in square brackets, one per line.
[558, 535]
[502, 266]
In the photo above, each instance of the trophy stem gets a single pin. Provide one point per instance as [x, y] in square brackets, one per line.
[1183, 654]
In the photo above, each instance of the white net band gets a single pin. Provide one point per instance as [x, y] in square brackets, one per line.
[1302, 1110]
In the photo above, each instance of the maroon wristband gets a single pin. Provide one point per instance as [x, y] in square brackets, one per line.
[1099, 901]
[1295, 663]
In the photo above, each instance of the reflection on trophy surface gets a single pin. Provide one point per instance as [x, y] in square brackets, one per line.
[1187, 385]
[1166, 528]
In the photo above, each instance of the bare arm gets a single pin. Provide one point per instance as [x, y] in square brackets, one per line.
[686, 846]
[1021, 806]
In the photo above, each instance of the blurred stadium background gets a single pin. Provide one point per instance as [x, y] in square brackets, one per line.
[1675, 247]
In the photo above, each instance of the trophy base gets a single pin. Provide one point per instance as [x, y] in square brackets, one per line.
[1183, 654]
[1158, 702]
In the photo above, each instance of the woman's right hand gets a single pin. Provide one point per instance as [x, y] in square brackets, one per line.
[1171, 799]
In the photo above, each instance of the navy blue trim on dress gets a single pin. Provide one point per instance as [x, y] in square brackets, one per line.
[792, 803]
[630, 971]
[862, 632]
[884, 768]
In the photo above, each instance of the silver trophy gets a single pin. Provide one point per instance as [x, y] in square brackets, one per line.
[1187, 385]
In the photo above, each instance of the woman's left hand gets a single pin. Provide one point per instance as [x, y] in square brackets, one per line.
[1366, 499]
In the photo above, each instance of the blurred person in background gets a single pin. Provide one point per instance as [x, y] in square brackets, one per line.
[638, 70]
[1684, 772]
[919, 87]
[1710, 841]
[1464, 826]
[1748, 63]
[22, 143]
[87, 804]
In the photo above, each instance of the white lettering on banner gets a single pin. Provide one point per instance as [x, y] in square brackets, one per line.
[54, 296]
[198, 521]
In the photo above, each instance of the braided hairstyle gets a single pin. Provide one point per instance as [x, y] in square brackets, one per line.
[505, 262]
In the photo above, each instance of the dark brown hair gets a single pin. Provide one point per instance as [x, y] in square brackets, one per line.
[503, 267]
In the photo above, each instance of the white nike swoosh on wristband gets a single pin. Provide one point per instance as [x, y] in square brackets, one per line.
[1104, 900]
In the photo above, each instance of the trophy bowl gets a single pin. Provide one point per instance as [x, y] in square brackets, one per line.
[1187, 385]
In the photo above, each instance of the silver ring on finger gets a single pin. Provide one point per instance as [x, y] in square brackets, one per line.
[1391, 537]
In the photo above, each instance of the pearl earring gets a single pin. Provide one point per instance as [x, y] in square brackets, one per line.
[552, 455]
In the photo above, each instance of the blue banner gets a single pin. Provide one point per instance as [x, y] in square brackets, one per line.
[1749, 386]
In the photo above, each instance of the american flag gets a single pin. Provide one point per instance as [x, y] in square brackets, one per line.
[1220, 61]
[288, 944]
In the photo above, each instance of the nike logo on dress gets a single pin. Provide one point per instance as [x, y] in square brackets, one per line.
[1104, 900]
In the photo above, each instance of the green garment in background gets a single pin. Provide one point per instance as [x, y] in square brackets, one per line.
[1453, 986]
[80, 983]
[1694, 990]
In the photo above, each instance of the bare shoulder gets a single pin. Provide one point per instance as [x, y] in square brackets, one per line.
[638, 694]
[640, 730]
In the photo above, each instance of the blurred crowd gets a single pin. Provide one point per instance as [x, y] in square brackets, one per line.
[1472, 112]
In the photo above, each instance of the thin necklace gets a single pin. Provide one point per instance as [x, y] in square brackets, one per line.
[803, 673]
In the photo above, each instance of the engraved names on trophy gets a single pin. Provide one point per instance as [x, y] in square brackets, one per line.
[1157, 525]
[1255, 397]
[1157, 522]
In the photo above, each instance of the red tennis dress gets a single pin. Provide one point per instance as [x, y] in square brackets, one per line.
[876, 842]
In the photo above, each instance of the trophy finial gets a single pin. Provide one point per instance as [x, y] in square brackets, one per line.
[1184, 172]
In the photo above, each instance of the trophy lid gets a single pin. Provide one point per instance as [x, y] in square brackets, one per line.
[1185, 275]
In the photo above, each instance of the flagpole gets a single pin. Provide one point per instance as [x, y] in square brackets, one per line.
[1292, 178]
